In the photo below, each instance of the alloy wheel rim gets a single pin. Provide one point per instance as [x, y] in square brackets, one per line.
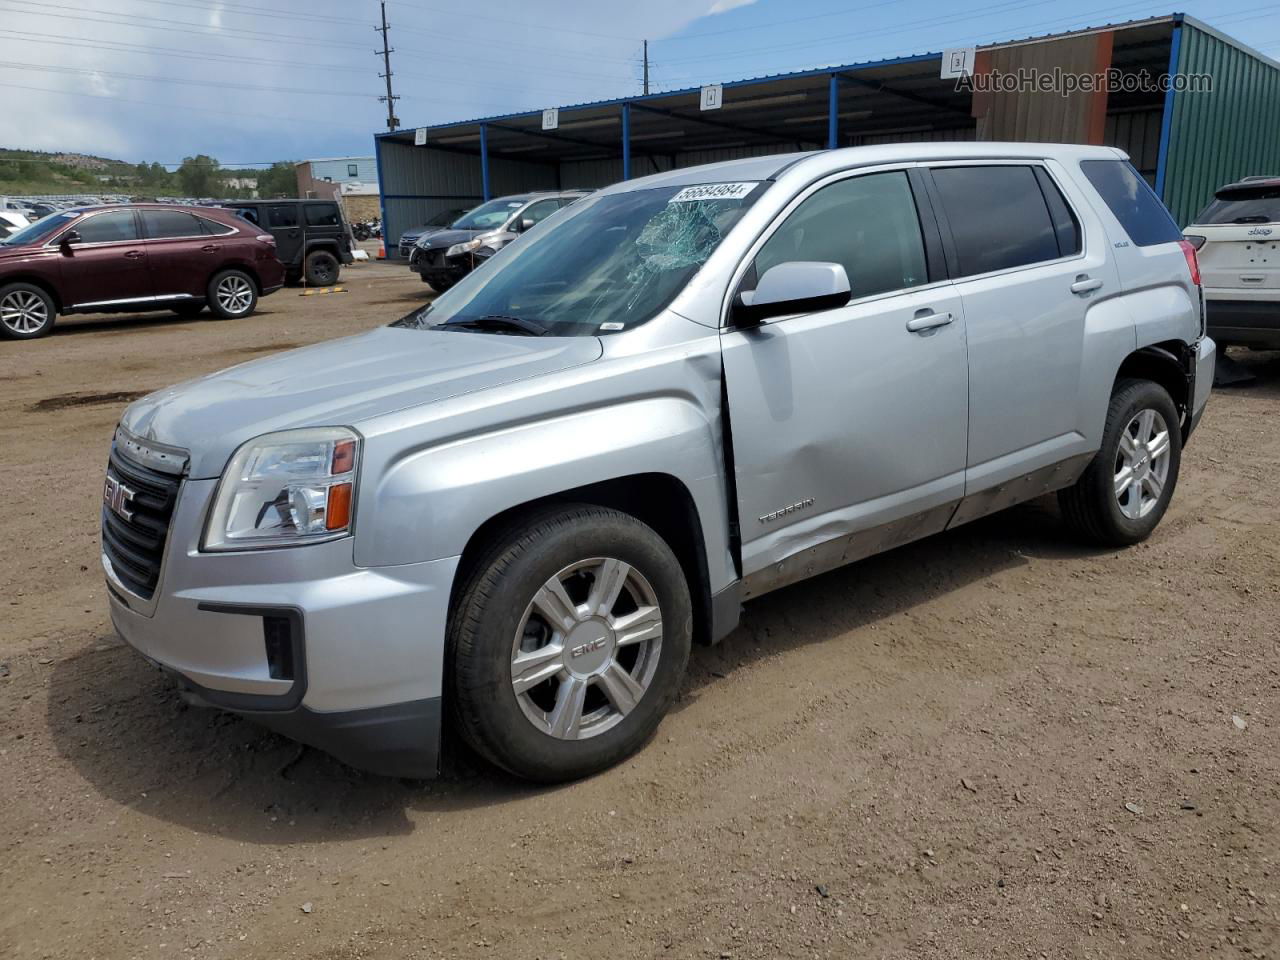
[234, 294]
[1142, 464]
[586, 648]
[23, 311]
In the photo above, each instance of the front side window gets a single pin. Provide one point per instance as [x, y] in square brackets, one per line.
[108, 227]
[1133, 202]
[537, 212]
[867, 224]
[489, 215]
[609, 263]
[165, 224]
[998, 216]
[322, 215]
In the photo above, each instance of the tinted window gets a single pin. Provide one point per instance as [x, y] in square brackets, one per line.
[1134, 204]
[1065, 224]
[248, 213]
[322, 215]
[998, 217]
[170, 223]
[283, 216]
[107, 227]
[1259, 204]
[869, 224]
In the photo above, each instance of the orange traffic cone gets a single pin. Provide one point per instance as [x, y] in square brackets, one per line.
[382, 250]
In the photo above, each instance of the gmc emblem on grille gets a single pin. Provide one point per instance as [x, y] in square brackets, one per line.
[117, 497]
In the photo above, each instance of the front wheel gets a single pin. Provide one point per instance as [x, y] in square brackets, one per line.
[569, 643]
[232, 294]
[1126, 489]
[26, 312]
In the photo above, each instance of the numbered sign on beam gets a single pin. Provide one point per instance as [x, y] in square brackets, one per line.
[420, 137]
[550, 118]
[712, 96]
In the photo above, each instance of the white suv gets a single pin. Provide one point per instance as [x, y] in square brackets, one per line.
[1237, 237]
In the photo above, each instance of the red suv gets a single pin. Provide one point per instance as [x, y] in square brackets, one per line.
[133, 258]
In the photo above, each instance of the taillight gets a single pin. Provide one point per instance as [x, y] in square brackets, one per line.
[1195, 241]
[1193, 262]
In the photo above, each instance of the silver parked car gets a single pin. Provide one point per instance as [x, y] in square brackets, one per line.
[511, 512]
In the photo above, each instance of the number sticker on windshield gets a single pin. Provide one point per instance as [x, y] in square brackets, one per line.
[713, 191]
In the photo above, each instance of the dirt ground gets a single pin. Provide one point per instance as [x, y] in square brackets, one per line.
[995, 743]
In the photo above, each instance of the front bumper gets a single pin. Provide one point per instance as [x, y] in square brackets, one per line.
[362, 676]
[434, 265]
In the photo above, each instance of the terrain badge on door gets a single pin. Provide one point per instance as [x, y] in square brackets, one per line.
[800, 505]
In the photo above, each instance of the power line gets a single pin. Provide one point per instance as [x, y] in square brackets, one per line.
[52, 68]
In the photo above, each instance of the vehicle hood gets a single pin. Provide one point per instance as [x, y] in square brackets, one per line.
[340, 383]
[448, 237]
[18, 252]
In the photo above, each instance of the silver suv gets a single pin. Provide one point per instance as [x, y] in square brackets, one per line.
[511, 512]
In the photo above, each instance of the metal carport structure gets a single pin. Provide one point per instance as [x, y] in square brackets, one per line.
[1185, 143]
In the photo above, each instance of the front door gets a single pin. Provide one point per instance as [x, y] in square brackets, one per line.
[849, 425]
[107, 266]
[282, 221]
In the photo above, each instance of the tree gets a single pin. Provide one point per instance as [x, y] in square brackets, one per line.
[278, 181]
[199, 176]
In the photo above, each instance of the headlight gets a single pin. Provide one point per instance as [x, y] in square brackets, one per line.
[286, 488]
[458, 249]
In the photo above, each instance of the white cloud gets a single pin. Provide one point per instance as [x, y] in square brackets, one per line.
[724, 6]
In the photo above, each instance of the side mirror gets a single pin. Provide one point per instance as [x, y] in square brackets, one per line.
[68, 238]
[525, 224]
[797, 286]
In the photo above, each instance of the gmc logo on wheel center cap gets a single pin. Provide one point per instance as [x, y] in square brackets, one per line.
[585, 648]
[117, 497]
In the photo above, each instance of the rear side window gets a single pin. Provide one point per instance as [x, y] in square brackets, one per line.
[1260, 204]
[868, 224]
[1134, 204]
[998, 216]
[322, 215]
[164, 224]
[247, 213]
[283, 216]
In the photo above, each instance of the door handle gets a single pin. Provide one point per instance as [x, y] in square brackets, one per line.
[209, 247]
[134, 255]
[1084, 283]
[927, 320]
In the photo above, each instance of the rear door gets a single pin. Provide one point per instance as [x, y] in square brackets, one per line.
[181, 256]
[107, 267]
[849, 424]
[1027, 279]
[282, 221]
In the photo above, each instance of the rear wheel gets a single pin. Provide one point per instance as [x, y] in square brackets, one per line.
[439, 286]
[569, 643]
[26, 312]
[321, 268]
[1126, 489]
[232, 294]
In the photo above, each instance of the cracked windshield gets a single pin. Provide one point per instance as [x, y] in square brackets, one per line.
[611, 262]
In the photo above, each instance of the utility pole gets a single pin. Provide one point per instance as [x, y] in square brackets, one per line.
[386, 52]
[646, 68]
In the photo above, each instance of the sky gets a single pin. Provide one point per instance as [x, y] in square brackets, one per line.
[253, 81]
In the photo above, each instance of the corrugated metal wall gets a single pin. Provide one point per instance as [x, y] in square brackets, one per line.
[1218, 137]
[600, 173]
[1137, 133]
[421, 181]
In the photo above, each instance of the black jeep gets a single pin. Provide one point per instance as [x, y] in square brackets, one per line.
[312, 237]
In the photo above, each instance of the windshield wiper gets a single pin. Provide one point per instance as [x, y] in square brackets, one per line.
[494, 321]
[1255, 218]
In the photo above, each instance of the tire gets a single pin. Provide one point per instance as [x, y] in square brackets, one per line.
[292, 277]
[1093, 506]
[321, 268]
[189, 310]
[232, 294]
[440, 286]
[531, 733]
[26, 312]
